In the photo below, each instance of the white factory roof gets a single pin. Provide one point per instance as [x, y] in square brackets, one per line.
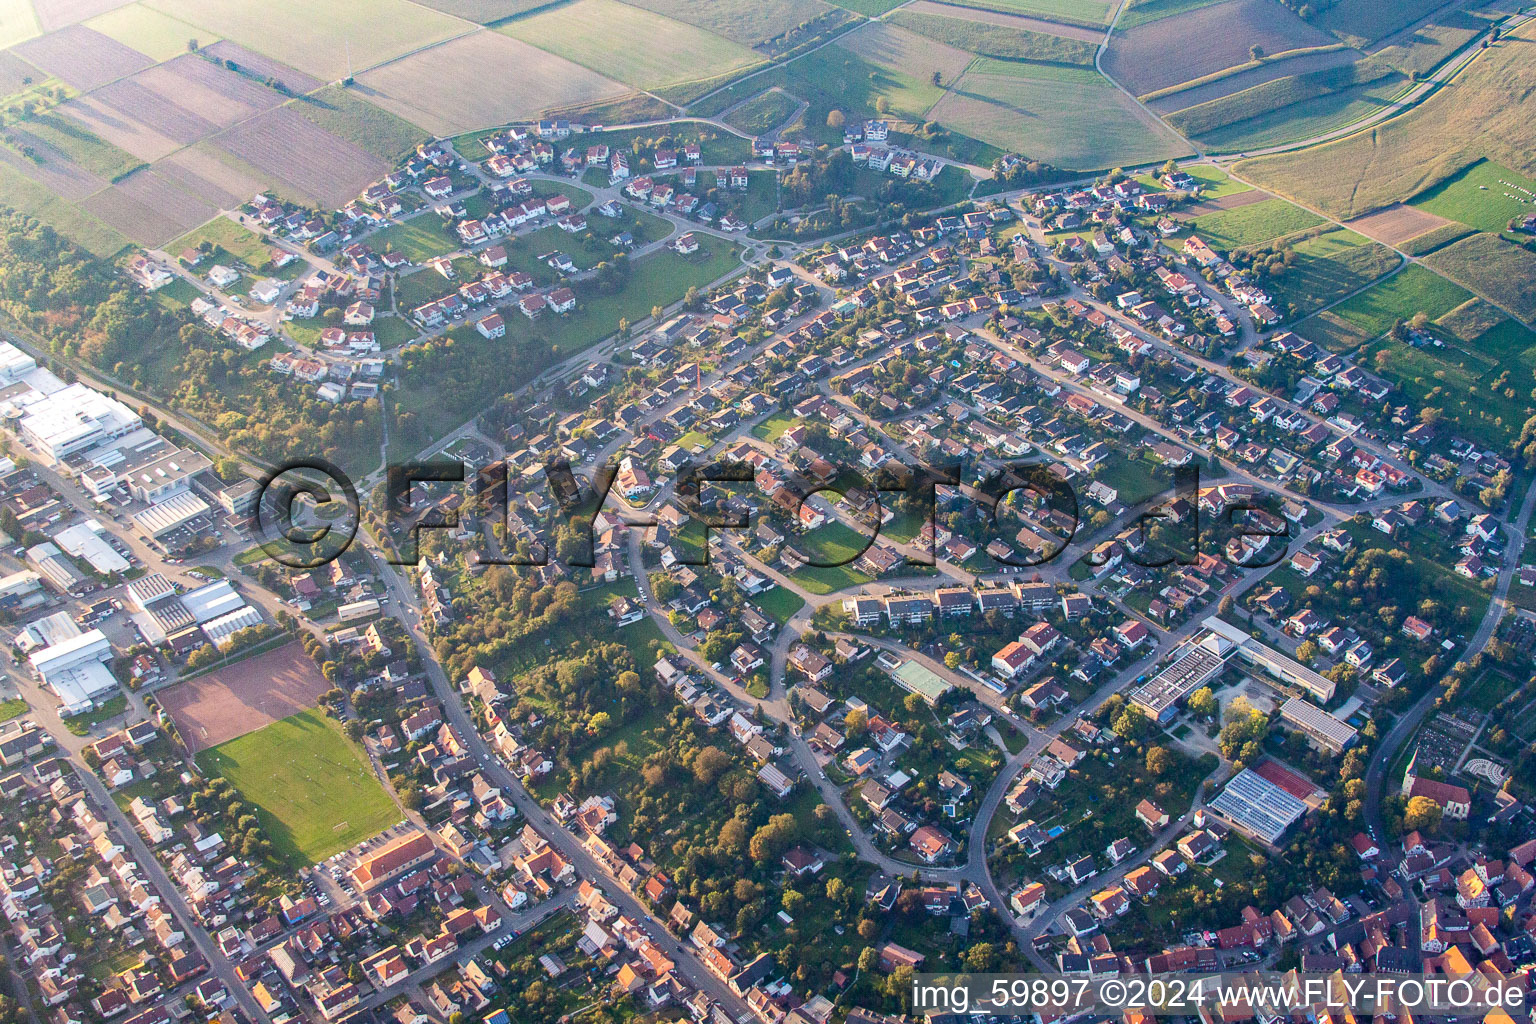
[14, 363]
[63, 418]
[74, 670]
[212, 600]
[170, 513]
[84, 540]
[222, 628]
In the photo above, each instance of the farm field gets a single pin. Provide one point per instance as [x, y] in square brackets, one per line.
[251, 62]
[1308, 118]
[1278, 94]
[1063, 121]
[633, 45]
[26, 195]
[1072, 12]
[1253, 223]
[486, 12]
[81, 57]
[1508, 341]
[149, 208]
[1427, 46]
[485, 78]
[1013, 42]
[764, 113]
[1207, 39]
[1329, 267]
[53, 14]
[1240, 78]
[1411, 291]
[1502, 273]
[1484, 117]
[1485, 195]
[295, 152]
[747, 21]
[910, 60]
[1360, 22]
[18, 22]
[347, 116]
[305, 35]
[279, 769]
[1139, 12]
[977, 16]
[171, 105]
[1397, 224]
[156, 35]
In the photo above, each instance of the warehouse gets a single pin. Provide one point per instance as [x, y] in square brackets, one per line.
[75, 670]
[85, 540]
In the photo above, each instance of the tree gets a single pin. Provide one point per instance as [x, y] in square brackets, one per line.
[937, 78]
[835, 118]
[855, 722]
[1256, 51]
[1131, 723]
[1306, 652]
[1159, 761]
[952, 659]
[1422, 814]
[709, 764]
[769, 842]
[1203, 702]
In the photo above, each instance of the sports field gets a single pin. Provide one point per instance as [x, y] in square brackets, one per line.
[313, 789]
[636, 46]
[1065, 116]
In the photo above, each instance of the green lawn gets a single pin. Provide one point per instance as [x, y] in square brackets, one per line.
[764, 113]
[773, 428]
[1457, 383]
[81, 725]
[779, 604]
[1484, 195]
[314, 790]
[229, 240]
[16, 707]
[1252, 224]
[418, 240]
[1215, 182]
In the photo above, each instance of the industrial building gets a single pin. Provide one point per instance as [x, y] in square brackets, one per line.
[76, 671]
[1257, 807]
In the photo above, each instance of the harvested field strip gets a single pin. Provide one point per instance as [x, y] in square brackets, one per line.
[16, 75]
[1291, 62]
[1437, 238]
[308, 36]
[1397, 223]
[1309, 117]
[1068, 124]
[148, 208]
[154, 34]
[1502, 273]
[631, 44]
[348, 116]
[83, 58]
[975, 15]
[996, 41]
[262, 66]
[748, 22]
[1204, 118]
[1253, 223]
[1204, 41]
[1092, 13]
[1139, 12]
[198, 171]
[55, 14]
[477, 80]
[1365, 21]
[18, 22]
[291, 149]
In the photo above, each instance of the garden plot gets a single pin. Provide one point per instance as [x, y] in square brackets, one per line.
[148, 208]
[83, 58]
[299, 153]
[479, 80]
[1203, 41]
[172, 105]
